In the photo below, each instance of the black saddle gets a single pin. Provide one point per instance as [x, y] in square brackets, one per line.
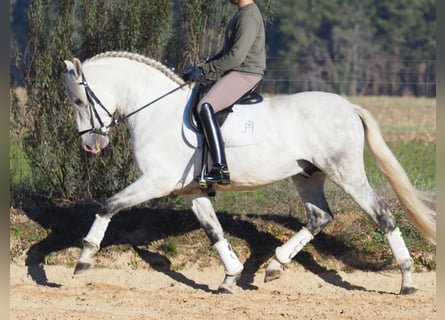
[253, 96]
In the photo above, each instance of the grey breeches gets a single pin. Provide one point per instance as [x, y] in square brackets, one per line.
[228, 90]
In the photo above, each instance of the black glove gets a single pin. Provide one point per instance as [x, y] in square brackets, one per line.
[193, 74]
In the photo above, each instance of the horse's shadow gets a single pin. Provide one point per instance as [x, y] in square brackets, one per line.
[141, 226]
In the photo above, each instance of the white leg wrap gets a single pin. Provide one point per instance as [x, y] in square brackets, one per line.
[287, 251]
[97, 230]
[231, 263]
[397, 245]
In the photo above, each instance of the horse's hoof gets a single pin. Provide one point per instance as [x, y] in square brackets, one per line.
[81, 266]
[225, 289]
[408, 290]
[272, 275]
[227, 286]
[273, 271]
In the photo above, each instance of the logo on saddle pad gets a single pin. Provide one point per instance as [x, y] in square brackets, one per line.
[243, 125]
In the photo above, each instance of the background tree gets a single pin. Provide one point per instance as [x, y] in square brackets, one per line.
[59, 30]
[199, 27]
[136, 26]
[198, 31]
[372, 46]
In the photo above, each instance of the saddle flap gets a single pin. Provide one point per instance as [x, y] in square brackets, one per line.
[243, 125]
[253, 96]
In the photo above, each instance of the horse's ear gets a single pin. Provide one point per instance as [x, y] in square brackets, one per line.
[75, 66]
[69, 65]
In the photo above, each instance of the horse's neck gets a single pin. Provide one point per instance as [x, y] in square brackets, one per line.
[162, 114]
[129, 86]
[126, 85]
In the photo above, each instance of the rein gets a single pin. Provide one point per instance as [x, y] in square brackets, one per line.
[93, 100]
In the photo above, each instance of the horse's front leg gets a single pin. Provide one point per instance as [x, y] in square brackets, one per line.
[203, 209]
[139, 191]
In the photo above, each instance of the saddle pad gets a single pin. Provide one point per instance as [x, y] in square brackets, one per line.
[243, 126]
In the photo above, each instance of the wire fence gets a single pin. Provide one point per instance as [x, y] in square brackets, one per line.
[285, 75]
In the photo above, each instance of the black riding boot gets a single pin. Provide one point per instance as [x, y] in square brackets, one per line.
[220, 172]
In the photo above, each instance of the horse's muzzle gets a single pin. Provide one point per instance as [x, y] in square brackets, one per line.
[89, 149]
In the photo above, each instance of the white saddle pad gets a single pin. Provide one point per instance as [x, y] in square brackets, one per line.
[243, 126]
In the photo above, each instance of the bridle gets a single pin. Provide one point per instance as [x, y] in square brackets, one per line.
[93, 100]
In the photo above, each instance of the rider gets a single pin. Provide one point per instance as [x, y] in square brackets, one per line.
[239, 66]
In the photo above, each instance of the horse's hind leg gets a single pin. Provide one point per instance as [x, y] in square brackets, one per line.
[203, 209]
[318, 215]
[358, 187]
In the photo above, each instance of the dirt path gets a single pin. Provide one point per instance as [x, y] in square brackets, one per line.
[188, 294]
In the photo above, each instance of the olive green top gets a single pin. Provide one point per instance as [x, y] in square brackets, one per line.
[244, 45]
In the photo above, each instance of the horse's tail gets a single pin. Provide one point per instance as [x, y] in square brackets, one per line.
[423, 217]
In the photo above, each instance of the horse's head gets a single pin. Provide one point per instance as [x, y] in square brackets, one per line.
[91, 116]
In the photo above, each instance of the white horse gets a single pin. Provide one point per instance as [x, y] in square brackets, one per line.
[306, 136]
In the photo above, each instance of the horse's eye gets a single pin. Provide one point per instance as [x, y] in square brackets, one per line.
[78, 102]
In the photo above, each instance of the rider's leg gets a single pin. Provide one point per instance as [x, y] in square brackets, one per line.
[223, 93]
[220, 172]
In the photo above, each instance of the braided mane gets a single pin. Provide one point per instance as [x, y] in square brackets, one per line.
[139, 58]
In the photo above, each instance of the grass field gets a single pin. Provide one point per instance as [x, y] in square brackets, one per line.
[269, 215]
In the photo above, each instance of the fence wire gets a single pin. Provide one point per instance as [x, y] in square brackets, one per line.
[285, 75]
